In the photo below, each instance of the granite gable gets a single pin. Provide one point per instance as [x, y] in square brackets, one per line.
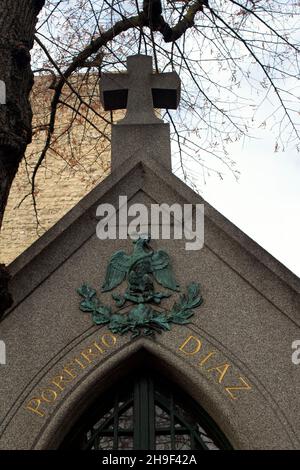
[228, 368]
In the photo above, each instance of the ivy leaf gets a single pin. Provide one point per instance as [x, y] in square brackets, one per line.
[99, 319]
[117, 322]
[162, 321]
[194, 299]
[182, 310]
[86, 291]
[182, 317]
[104, 310]
[193, 290]
[88, 306]
[102, 314]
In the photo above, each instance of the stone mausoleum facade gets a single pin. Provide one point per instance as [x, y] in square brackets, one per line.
[184, 349]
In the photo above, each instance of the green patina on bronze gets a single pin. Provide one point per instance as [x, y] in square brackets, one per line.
[140, 268]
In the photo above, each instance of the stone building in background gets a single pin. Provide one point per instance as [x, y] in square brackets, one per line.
[79, 158]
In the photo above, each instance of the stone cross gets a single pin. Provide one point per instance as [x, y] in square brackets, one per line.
[140, 91]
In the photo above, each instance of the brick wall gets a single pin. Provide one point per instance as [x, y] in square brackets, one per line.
[77, 161]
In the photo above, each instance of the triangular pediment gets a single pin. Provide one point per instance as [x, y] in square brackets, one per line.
[139, 180]
[223, 356]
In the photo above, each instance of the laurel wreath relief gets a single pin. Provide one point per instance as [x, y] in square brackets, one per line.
[135, 311]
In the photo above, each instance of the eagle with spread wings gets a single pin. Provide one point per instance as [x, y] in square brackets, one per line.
[139, 267]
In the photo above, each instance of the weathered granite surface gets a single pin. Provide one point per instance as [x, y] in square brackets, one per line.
[234, 358]
[249, 319]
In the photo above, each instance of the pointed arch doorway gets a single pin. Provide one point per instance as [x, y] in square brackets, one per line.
[145, 411]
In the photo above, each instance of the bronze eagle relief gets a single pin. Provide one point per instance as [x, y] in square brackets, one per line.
[140, 270]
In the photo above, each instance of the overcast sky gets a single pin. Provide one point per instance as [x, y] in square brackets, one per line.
[265, 202]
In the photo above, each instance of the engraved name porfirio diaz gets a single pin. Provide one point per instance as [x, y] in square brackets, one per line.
[138, 310]
[207, 361]
[134, 309]
[69, 373]
[211, 363]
